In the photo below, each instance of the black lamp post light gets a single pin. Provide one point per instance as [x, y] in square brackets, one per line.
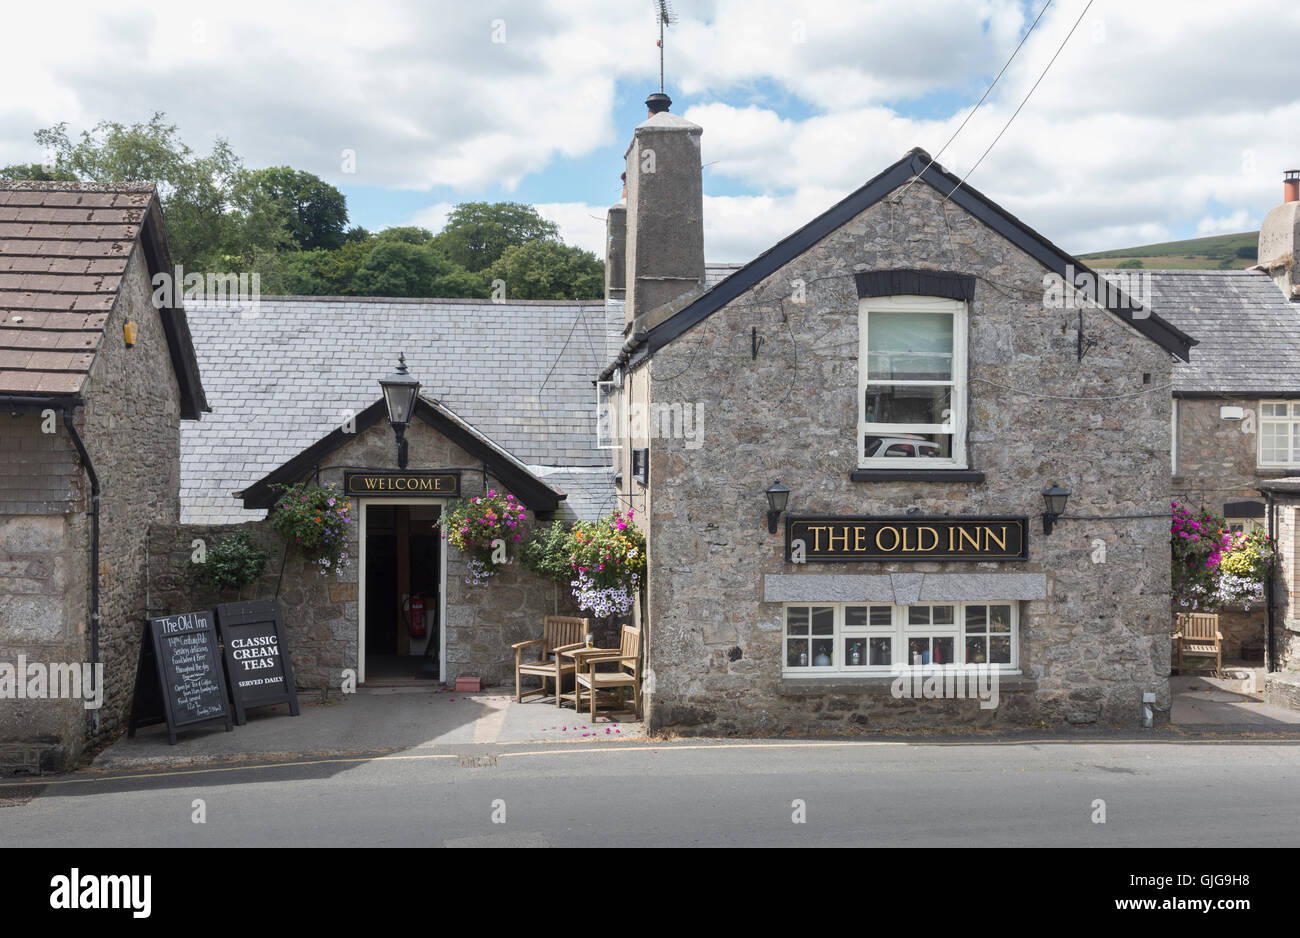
[400, 391]
[778, 496]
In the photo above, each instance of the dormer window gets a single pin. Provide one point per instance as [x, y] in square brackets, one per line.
[912, 382]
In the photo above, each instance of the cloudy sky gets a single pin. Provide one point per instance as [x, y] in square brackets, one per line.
[1161, 119]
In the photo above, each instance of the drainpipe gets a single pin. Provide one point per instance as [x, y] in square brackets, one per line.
[1272, 572]
[70, 423]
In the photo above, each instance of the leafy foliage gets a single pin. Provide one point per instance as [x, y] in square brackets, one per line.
[604, 561]
[231, 563]
[1210, 566]
[316, 212]
[472, 525]
[477, 233]
[313, 519]
[548, 270]
[291, 227]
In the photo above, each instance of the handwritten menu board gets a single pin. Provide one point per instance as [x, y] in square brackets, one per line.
[257, 661]
[179, 679]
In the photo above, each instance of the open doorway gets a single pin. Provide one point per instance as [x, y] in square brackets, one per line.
[401, 596]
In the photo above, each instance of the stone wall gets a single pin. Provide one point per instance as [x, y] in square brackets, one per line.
[130, 426]
[1089, 649]
[1286, 614]
[320, 612]
[1216, 458]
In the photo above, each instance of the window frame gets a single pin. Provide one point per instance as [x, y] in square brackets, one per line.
[900, 631]
[959, 310]
[1292, 420]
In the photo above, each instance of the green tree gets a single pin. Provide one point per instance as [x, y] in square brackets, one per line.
[548, 270]
[213, 214]
[1132, 263]
[396, 268]
[409, 234]
[478, 233]
[35, 171]
[315, 212]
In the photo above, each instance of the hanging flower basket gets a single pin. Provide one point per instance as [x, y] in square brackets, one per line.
[313, 519]
[486, 529]
[1211, 567]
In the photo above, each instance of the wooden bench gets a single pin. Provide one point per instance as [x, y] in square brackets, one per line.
[1197, 634]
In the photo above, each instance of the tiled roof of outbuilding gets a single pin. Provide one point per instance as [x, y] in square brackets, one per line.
[63, 251]
[64, 248]
[520, 372]
[1248, 332]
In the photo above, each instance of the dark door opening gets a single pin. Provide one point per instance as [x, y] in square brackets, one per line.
[403, 583]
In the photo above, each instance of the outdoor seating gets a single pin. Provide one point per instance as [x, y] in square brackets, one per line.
[626, 673]
[559, 634]
[1197, 635]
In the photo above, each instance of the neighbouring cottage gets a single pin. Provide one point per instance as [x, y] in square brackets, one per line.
[910, 368]
[94, 385]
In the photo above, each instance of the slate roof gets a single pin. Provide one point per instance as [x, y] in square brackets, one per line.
[64, 248]
[1248, 333]
[280, 378]
[917, 165]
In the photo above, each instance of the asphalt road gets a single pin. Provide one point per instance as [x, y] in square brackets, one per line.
[696, 794]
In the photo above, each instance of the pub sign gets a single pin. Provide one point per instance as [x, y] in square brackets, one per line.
[869, 538]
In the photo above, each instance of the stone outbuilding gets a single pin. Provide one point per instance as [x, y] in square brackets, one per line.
[95, 381]
[913, 370]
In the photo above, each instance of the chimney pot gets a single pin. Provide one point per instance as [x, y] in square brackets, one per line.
[1291, 185]
[657, 102]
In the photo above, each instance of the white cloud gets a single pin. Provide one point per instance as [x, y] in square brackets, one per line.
[1240, 220]
[1158, 117]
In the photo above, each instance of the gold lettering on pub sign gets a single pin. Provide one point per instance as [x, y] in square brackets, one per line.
[388, 483]
[867, 538]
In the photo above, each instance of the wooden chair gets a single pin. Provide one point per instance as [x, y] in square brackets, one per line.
[627, 674]
[559, 634]
[1198, 634]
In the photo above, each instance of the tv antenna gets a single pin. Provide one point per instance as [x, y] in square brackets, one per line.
[666, 17]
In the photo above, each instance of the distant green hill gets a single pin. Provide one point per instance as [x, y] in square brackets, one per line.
[1221, 252]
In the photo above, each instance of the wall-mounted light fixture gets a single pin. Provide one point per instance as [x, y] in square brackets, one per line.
[778, 496]
[1232, 413]
[1054, 499]
[129, 332]
[400, 390]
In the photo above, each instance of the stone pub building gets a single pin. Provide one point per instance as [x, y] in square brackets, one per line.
[899, 365]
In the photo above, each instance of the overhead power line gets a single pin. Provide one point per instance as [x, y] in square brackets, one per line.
[1005, 66]
[1023, 102]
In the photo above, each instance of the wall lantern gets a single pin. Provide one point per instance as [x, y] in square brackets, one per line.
[1054, 498]
[400, 390]
[778, 496]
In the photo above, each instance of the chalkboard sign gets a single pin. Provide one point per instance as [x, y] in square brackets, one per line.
[257, 661]
[179, 680]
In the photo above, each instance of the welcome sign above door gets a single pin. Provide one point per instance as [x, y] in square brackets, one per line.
[420, 484]
[884, 539]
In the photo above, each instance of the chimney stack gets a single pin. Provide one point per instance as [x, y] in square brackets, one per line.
[1279, 238]
[616, 248]
[665, 216]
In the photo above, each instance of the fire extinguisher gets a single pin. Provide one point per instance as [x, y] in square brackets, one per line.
[415, 606]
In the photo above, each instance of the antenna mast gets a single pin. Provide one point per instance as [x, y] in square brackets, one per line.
[666, 17]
